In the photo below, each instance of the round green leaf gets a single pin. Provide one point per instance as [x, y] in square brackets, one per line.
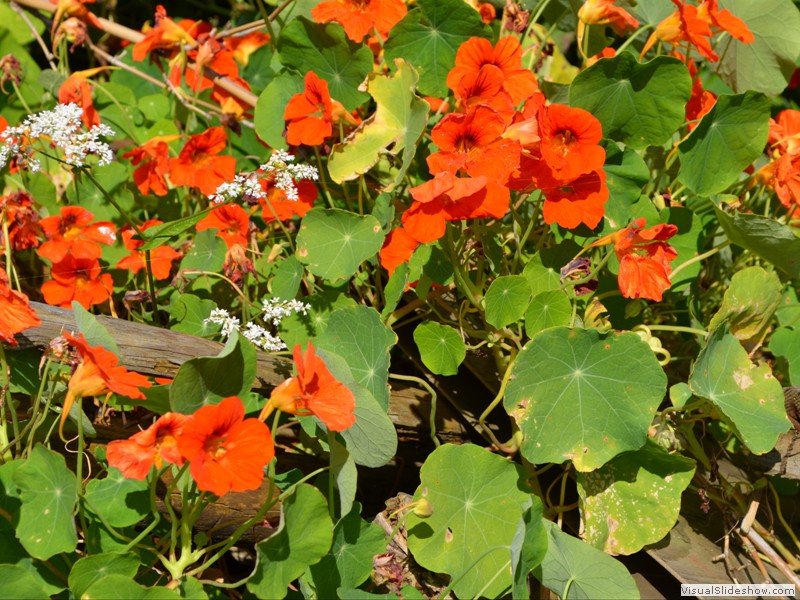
[548, 309]
[575, 570]
[727, 139]
[528, 548]
[48, 491]
[751, 299]
[748, 395]
[190, 313]
[19, 583]
[584, 396]
[772, 241]
[332, 242]
[767, 64]
[639, 104]
[93, 568]
[506, 300]
[288, 276]
[209, 379]
[307, 46]
[477, 499]
[349, 563]
[153, 106]
[634, 499]
[268, 115]
[440, 347]
[119, 500]
[207, 253]
[627, 174]
[123, 587]
[541, 278]
[358, 335]
[302, 539]
[428, 37]
[785, 342]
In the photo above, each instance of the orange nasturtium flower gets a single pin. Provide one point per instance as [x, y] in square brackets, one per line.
[315, 391]
[644, 256]
[570, 141]
[199, 165]
[310, 113]
[161, 258]
[166, 35]
[242, 46]
[76, 89]
[723, 20]
[520, 83]
[99, 373]
[226, 452]
[684, 28]
[232, 222]
[73, 233]
[154, 446]
[361, 17]
[603, 12]
[16, 314]
[18, 215]
[77, 279]
[153, 160]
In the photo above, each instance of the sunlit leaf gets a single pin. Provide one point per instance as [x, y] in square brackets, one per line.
[749, 303]
[548, 309]
[93, 568]
[120, 501]
[506, 300]
[441, 348]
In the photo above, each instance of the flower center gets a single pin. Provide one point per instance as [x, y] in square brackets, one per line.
[215, 448]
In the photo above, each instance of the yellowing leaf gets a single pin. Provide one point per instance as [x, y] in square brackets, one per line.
[398, 122]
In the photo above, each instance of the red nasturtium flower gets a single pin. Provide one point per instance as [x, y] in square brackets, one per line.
[99, 373]
[310, 113]
[21, 220]
[361, 17]
[276, 205]
[16, 314]
[73, 233]
[723, 20]
[77, 279]
[683, 29]
[154, 446]
[507, 56]
[604, 12]
[644, 256]
[153, 160]
[199, 165]
[232, 222]
[570, 139]
[226, 452]
[315, 391]
[76, 90]
[242, 46]
[397, 249]
[166, 35]
[161, 258]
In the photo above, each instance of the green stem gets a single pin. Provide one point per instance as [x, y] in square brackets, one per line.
[631, 39]
[432, 392]
[698, 258]
[497, 399]
[322, 179]
[446, 591]
[7, 400]
[462, 279]
[331, 495]
[681, 328]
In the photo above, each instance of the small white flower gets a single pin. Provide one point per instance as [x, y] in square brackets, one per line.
[275, 309]
[61, 128]
[220, 316]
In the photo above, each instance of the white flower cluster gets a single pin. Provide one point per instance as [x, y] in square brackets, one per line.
[274, 311]
[60, 127]
[279, 169]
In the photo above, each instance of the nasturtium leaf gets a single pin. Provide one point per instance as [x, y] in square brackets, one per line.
[679, 394]
[687, 243]
[393, 290]
[9, 496]
[528, 548]
[19, 583]
[541, 278]
[441, 348]
[120, 501]
[372, 439]
[349, 562]
[548, 309]
[286, 282]
[359, 336]
[153, 106]
[190, 313]
[48, 492]
[209, 379]
[748, 395]
[93, 568]
[581, 395]
[751, 299]
[48, 575]
[726, 140]
[785, 342]
[477, 500]
[639, 104]
[398, 121]
[767, 64]
[634, 499]
[649, 12]
[772, 241]
[92, 329]
[343, 469]
[506, 300]
[122, 587]
[271, 104]
[574, 570]
[307, 46]
[298, 328]
[627, 174]
[428, 37]
[192, 589]
[332, 242]
[206, 254]
[302, 539]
